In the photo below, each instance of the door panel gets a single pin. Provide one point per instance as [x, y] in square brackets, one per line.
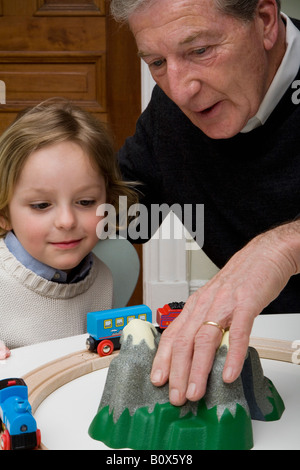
[53, 48]
[78, 77]
[70, 7]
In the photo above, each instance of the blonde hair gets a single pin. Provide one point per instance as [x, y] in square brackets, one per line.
[54, 121]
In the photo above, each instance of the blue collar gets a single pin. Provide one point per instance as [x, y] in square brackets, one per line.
[43, 270]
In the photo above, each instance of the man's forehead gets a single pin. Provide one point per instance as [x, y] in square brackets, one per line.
[204, 33]
[205, 36]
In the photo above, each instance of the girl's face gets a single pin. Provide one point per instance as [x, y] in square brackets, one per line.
[53, 208]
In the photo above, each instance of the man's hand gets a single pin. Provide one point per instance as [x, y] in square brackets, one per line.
[4, 351]
[233, 298]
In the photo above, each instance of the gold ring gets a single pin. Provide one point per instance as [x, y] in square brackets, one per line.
[212, 323]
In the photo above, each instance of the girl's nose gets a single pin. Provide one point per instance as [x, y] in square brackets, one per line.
[65, 218]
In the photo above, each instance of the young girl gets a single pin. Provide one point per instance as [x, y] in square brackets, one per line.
[57, 166]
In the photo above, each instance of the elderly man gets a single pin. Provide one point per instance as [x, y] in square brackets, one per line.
[222, 129]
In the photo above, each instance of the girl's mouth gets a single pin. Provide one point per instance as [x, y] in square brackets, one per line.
[69, 244]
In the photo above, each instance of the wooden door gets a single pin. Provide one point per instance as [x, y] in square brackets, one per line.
[69, 48]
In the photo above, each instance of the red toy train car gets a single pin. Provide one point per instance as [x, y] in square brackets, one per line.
[166, 314]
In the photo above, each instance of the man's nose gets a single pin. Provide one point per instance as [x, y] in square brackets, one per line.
[183, 83]
[65, 218]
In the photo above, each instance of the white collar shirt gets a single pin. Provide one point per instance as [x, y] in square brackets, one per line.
[285, 74]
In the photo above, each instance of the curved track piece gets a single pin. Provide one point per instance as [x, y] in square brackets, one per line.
[43, 381]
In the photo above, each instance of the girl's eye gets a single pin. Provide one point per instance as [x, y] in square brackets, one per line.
[86, 203]
[40, 206]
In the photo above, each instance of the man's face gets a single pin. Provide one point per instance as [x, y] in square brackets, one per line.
[213, 66]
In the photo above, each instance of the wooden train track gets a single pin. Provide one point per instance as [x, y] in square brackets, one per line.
[43, 381]
[275, 349]
[46, 379]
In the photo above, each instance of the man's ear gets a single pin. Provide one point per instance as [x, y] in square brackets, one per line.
[267, 11]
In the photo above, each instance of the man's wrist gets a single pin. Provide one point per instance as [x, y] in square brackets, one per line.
[287, 239]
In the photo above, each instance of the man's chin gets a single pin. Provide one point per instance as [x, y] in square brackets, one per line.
[219, 131]
[215, 126]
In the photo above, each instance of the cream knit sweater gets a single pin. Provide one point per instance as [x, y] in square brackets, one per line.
[33, 310]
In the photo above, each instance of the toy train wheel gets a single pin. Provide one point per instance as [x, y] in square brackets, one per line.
[105, 348]
[5, 441]
[38, 438]
[91, 344]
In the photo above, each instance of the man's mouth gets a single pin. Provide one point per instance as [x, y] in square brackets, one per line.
[210, 109]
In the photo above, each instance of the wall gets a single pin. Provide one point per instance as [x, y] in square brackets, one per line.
[291, 8]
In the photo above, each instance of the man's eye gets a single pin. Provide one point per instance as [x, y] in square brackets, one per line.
[40, 206]
[157, 63]
[200, 51]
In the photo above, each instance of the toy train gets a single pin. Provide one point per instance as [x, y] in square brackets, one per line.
[105, 327]
[168, 313]
[19, 428]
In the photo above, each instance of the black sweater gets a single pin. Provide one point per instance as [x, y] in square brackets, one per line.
[248, 183]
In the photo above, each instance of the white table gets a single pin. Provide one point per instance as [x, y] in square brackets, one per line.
[64, 417]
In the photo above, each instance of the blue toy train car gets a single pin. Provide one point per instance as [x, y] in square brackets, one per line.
[19, 429]
[105, 327]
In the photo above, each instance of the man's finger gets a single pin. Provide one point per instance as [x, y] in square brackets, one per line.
[239, 334]
[162, 361]
[206, 343]
[182, 355]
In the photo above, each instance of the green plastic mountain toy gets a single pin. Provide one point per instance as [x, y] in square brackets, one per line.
[135, 414]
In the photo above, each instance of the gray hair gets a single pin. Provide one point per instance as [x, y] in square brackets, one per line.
[243, 9]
